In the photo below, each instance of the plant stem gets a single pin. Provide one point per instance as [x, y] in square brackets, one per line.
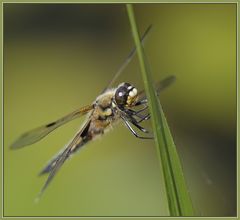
[179, 201]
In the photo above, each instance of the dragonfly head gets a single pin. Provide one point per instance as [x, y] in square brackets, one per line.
[125, 95]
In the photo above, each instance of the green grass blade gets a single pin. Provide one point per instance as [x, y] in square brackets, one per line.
[179, 201]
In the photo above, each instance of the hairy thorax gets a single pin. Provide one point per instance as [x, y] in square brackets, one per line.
[104, 114]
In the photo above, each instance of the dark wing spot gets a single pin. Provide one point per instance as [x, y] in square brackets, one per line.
[85, 130]
[50, 125]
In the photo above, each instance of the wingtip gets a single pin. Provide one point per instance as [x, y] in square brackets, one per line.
[150, 26]
[172, 77]
[38, 197]
[42, 172]
[19, 143]
[14, 146]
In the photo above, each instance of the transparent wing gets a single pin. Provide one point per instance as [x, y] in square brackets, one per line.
[40, 132]
[159, 86]
[83, 138]
[77, 142]
[127, 60]
[53, 172]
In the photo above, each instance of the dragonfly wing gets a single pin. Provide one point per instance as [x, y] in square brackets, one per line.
[159, 86]
[40, 132]
[127, 60]
[80, 139]
[163, 84]
[83, 134]
[62, 158]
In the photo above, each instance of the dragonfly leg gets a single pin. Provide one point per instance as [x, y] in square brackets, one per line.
[131, 113]
[134, 132]
[127, 123]
[141, 102]
[135, 123]
[146, 117]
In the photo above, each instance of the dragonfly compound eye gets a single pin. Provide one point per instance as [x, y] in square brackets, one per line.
[121, 95]
[125, 94]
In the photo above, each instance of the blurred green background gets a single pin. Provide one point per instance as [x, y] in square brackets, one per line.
[58, 57]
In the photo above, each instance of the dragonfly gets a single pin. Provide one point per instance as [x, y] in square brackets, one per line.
[114, 104]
